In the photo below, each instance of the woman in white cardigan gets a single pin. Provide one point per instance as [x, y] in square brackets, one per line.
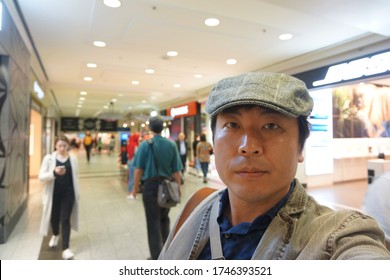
[59, 175]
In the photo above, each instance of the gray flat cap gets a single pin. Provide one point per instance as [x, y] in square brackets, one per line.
[279, 92]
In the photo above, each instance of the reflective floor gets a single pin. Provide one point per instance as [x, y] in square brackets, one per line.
[113, 227]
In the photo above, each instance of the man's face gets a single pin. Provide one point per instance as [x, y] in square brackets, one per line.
[256, 153]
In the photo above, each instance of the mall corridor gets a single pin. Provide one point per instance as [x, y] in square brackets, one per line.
[114, 228]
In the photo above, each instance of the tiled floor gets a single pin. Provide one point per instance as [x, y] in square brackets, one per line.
[112, 227]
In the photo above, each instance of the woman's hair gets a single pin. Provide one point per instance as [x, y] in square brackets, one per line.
[61, 138]
[303, 126]
[203, 137]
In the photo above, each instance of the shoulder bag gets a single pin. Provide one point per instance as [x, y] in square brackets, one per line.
[168, 194]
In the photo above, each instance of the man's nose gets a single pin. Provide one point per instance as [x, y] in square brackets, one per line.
[250, 145]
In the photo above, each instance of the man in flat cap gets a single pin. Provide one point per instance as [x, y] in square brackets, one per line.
[259, 125]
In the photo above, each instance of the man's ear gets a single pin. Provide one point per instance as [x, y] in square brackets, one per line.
[300, 157]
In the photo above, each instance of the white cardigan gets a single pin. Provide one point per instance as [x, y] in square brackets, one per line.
[46, 176]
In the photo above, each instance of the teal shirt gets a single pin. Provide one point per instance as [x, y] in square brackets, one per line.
[166, 154]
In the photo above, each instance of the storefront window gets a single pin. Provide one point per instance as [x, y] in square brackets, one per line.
[361, 111]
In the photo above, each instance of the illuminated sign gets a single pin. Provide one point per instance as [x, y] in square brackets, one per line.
[189, 109]
[369, 66]
[38, 91]
[183, 110]
[358, 68]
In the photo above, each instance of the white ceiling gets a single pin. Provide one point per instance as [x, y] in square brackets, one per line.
[140, 32]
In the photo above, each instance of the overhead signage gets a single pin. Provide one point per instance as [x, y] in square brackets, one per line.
[89, 124]
[186, 110]
[108, 125]
[70, 124]
[80, 124]
[360, 68]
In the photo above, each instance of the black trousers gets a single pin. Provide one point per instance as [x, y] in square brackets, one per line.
[183, 161]
[157, 219]
[61, 212]
[88, 149]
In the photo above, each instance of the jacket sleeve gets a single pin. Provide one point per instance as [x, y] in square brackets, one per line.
[358, 238]
[46, 172]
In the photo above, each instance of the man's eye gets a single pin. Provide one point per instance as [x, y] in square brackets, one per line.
[231, 125]
[271, 126]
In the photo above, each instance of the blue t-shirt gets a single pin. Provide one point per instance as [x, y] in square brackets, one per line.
[166, 154]
[240, 242]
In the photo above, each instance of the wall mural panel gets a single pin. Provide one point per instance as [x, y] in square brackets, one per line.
[3, 127]
[14, 127]
[17, 146]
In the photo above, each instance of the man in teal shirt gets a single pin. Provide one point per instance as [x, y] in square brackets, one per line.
[155, 159]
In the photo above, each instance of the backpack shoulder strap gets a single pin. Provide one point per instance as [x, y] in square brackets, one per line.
[194, 201]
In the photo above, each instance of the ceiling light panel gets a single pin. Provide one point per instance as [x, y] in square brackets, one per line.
[99, 44]
[212, 22]
[112, 3]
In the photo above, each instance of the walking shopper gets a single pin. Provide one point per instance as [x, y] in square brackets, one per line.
[182, 147]
[203, 151]
[88, 143]
[131, 149]
[196, 159]
[59, 174]
[162, 154]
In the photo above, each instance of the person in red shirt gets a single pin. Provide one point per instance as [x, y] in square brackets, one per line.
[132, 146]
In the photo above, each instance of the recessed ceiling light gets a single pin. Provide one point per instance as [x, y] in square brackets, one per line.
[149, 71]
[83, 93]
[172, 53]
[114, 100]
[135, 82]
[231, 61]
[79, 106]
[198, 76]
[100, 44]
[88, 79]
[81, 98]
[211, 22]
[112, 3]
[285, 37]
[91, 65]
[177, 85]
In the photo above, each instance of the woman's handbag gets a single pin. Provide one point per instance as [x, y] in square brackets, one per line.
[211, 151]
[168, 194]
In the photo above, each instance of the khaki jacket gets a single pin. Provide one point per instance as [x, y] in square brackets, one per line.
[302, 230]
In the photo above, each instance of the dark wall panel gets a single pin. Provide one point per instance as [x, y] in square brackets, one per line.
[14, 126]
